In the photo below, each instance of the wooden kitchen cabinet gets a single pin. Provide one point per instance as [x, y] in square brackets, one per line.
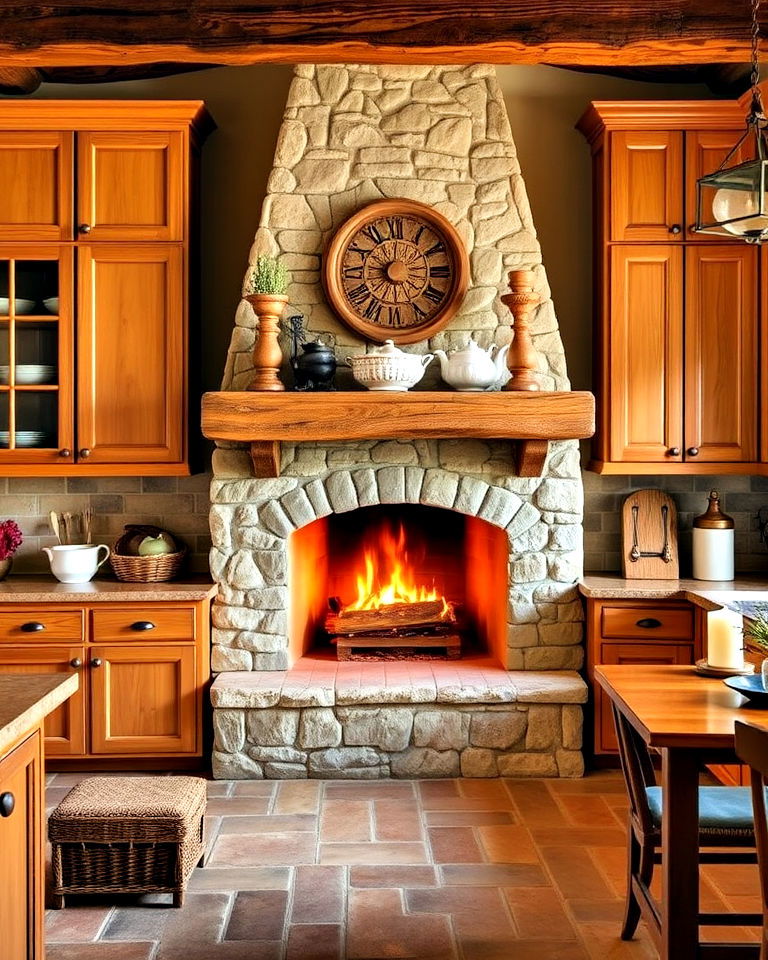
[22, 817]
[680, 324]
[634, 631]
[143, 668]
[109, 390]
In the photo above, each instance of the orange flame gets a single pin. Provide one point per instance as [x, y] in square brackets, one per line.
[389, 576]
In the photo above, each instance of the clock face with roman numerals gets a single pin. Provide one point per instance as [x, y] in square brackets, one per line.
[397, 269]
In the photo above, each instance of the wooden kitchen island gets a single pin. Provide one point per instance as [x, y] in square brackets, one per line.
[25, 702]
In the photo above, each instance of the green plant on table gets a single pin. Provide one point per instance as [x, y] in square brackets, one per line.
[268, 276]
[756, 627]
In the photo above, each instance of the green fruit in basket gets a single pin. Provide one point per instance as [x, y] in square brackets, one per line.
[157, 546]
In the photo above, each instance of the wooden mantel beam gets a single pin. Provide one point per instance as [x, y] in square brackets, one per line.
[60, 33]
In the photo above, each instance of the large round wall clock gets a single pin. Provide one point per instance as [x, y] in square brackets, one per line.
[396, 269]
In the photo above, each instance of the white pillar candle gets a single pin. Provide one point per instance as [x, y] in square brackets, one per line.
[724, 640]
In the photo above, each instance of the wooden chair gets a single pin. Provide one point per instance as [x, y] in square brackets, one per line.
[725, 820]
[752, 748]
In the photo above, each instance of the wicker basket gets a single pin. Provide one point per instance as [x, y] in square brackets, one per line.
[165, 566]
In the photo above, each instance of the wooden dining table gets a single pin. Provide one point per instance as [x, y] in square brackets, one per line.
[690, 719]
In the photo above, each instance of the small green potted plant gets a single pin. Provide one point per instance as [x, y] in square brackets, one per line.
[756, 631]
[266, 289]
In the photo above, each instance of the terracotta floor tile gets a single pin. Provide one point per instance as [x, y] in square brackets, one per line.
[397, 820]
[100, 951]
[483, 790]
[200, 920]
[384, 876]
[454, 845]
[319, 941]
[738, 879]
[297, 796]
[346, 821]
[288, 823]
[237, 806]
[585, 810]
[377, 927]
[611, 862]
[229, 950]
[137, 923]
[371, 853]
[535, 804]
[437, 789]
[219, 788]
[598, 781]
[273, 849]
[76, 923]
[477, 912]
[507, 844]
[602, 940]
[466, 818]
[586, 911]
[465, 804]
[493, 875]
[370, 790]
[318, 895]
[574, 873]
[579, 836]
[258, 915]
[538, 913]
[528, 950]
[254, 788]
[223, 879]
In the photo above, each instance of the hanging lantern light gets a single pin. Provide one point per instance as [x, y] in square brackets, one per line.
[732, 201]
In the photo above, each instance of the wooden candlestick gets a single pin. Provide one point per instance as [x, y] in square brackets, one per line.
[267, 355]
[522, 356]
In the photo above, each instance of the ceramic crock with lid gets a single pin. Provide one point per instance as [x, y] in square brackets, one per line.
[389, 368]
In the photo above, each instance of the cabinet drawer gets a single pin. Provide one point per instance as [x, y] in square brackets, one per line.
[647, 623]
[31, 624]
[147, 623]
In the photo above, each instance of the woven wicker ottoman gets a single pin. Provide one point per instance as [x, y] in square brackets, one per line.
[127, 835]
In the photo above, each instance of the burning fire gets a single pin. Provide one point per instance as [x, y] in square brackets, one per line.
[389, 576]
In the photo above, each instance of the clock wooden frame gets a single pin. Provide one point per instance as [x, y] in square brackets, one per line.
[333, 264]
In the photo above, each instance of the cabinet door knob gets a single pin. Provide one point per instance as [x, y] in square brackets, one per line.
[648, 623]
[675, 228]
[85, 452]
[33, 626]
[674, 451]
[84, 228]
[65, 452]
[7, 804]
[96, 662]
[693, 451]
[76, 662]
[143, 625]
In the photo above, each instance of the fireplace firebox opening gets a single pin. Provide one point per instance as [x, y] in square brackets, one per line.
[398, 581]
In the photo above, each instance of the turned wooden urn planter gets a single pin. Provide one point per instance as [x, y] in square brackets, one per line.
[267, 355]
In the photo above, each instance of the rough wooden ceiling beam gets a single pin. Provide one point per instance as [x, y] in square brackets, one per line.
[62, 33]
[15, 80]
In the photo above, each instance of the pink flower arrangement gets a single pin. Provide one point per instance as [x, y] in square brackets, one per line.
[10, 538]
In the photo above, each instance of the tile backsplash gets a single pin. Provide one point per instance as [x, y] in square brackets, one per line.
[741, 497]
[180, 504]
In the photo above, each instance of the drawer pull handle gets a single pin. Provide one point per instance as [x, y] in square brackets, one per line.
[648, 623]
[143, 625]
[96, 662]
[76, 663]
[34, 626]
[7, 804]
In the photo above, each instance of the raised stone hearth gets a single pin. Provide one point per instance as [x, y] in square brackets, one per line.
[351, 135]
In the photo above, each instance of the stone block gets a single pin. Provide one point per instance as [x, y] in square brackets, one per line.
[525, 518]
[441, 729]
[453, 135]
[257, 642]
[533, 540]
[229, 730]
[499, 730]
[243, 690]
[332, 82]
[235, 766]
[549, 687]
[290, 211]
[266, 598]
[440, 488]
[563, 496]
[521, 635]
[321, 176]
[271, 661]
[298, 506]
[242, 572]
[341, 492]
[527, 765]
[554, 658]
[570, 763]
[275, 519]
[230, 463]
[414, 478]
[391, 484]
[343, 759]
[395, 451]
[476, 762]
[285, 771]
[366, 486]
[463, 456]
[566, 568]
[573, 724]
[561, 634]
[291, 143]
[278, 754]
[315, 490]
[220, 522]
[499, 506]
[272, 728]
[318, 727]
[528, 568]
[412, 118]
[421, 762]
[272, 565]
[225, 659]
[544, 727]
[388, 728]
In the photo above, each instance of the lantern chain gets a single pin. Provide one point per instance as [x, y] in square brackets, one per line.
[757, 111]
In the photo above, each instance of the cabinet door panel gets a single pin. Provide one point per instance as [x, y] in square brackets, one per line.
[705, 150]
[646, 365]
[143, 699]
[131, 392]
[646, 653]
[131, 185]
[646, 185]
[36, 185]
[65, 727]
[21, 843]
[721, 369]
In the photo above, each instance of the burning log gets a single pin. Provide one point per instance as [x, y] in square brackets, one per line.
[451, 643]
[423, 616]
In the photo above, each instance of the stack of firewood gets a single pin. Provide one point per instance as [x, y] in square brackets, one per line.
[426, 624]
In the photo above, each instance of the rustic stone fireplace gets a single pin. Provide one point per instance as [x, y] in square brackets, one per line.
[503, 551]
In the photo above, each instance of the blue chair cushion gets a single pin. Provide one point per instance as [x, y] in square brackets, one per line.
[720, 808]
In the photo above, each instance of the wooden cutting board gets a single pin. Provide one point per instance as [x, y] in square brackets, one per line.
[649, 536]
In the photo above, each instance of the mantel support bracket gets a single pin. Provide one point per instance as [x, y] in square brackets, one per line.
[265, 457]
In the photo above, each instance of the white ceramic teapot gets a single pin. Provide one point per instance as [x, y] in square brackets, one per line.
[472, 368]
[389, 368]
[75, 563]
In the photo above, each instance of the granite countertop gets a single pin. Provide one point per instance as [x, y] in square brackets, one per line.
[708, 594]
[26, 699]
[46, 589]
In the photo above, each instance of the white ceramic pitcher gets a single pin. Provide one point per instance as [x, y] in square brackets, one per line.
[76, 563]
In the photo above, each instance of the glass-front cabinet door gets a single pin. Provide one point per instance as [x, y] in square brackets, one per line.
[36, 355]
